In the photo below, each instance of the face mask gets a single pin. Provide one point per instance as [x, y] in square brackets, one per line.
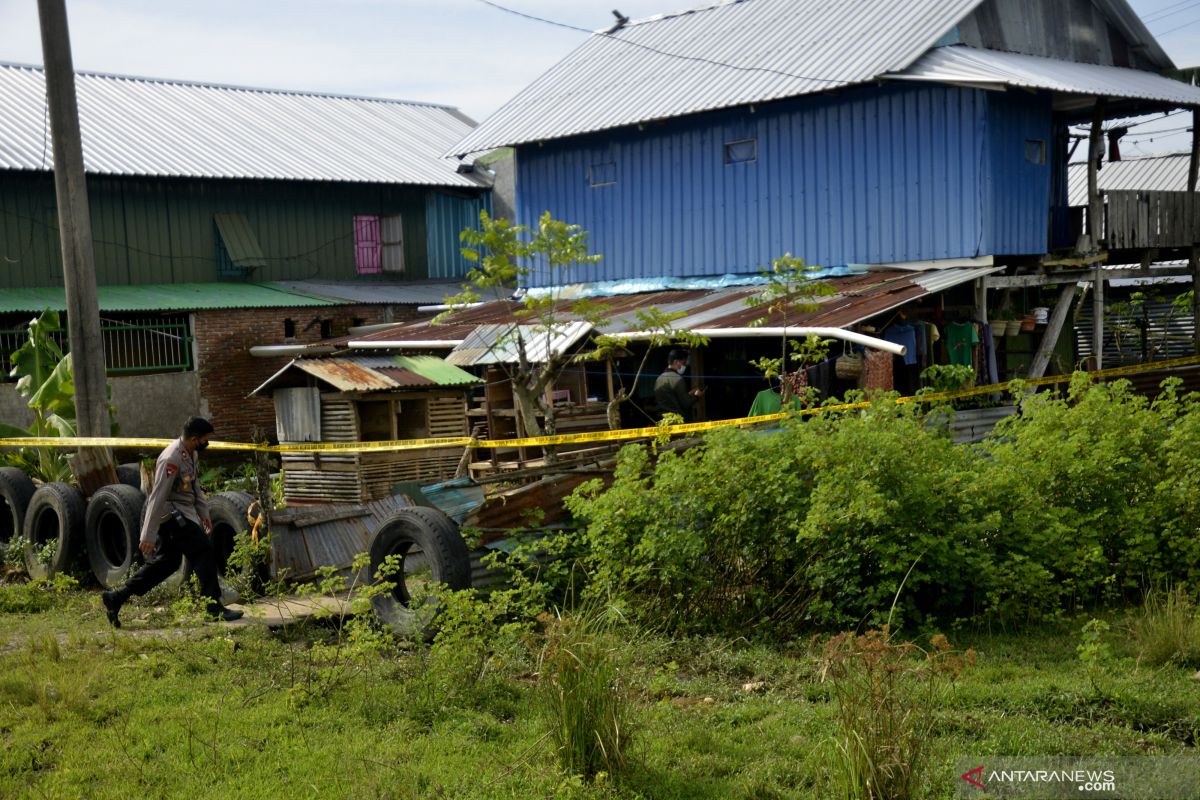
[683, 369]
[202, 446]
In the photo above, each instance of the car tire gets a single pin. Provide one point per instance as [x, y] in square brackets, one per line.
[55, 515]
[112, 529]
[432, 551]
[16, 490]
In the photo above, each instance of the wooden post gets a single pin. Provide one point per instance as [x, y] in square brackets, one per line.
[93, 466]
[1096, 228]
[1053, 330]
[981, 308]
[1194, 252]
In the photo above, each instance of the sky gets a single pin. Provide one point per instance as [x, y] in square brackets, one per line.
[458, 52]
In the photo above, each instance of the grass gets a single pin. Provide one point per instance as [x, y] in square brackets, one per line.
[194, 710]
[1168, 630]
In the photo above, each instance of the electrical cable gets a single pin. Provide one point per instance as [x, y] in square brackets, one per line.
[1163, 13]
[681, 56]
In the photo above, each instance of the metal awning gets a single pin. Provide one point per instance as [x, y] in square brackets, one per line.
[993, 69]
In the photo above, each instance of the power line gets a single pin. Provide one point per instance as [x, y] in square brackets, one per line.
[1163, 13]
[1177, 27]
[682, 57]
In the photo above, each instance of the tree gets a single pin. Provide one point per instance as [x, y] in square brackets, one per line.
[790, 289]
[44, 377]
[505, 254]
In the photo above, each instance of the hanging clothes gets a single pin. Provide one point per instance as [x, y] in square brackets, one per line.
[904, 334]
[961, 340]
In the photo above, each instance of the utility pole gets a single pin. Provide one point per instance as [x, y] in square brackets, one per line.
[93, 467]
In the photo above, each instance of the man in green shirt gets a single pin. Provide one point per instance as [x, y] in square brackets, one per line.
[670, 390]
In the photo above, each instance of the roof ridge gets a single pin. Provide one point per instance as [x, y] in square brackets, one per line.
[233, 87]
[666, 15]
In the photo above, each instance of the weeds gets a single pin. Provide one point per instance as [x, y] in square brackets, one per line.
[1167, 630]
[886, 694]
[589, 708]
[1095, 653]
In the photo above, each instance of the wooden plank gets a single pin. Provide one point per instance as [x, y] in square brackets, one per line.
[1053, 330]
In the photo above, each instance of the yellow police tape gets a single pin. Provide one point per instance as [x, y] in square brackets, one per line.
[623, 434]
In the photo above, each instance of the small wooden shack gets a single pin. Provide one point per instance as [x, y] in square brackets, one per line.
[354, 398]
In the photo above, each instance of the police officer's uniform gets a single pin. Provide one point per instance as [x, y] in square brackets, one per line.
[172, 520]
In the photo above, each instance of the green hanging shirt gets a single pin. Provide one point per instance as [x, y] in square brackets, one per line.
[961, 338]
[768, 402]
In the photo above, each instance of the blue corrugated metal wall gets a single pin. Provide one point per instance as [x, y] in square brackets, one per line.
[876, 175]
[1020, 188]
[445, 217]
[871, 176]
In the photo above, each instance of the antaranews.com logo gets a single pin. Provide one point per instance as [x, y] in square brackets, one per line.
[1055, 777]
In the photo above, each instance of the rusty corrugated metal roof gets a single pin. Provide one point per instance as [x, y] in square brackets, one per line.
[376, 373]
[856, 298]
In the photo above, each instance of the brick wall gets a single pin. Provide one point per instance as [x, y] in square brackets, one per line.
[228, 372]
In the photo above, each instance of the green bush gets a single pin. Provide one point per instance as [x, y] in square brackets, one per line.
[818, 523]
[1080, 500]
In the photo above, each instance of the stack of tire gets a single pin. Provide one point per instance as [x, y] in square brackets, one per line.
[61, 530]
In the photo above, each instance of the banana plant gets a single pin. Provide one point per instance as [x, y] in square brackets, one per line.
[44, 376]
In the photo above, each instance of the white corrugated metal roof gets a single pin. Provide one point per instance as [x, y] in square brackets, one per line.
[1166, 173]
[145, 126]
[961, 64]
[729, 54]
[497, 344]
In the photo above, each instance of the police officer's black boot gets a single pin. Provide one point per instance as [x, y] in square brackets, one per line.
[217, 611]
[112, 606]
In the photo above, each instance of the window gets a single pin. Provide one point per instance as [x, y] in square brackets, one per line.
[238, 251]
[326, 329]
[375, 420]
[378, 244]
[1035, 151]
[741, 151]
[603, 174]
[367, 256]
[289, 329]
[412, 419]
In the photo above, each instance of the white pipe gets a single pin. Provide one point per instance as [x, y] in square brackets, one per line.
[416, 344]
[286, 350]
[744, 333]
[358, 330]
[448, 306]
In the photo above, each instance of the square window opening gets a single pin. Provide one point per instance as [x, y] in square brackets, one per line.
[741, 151]
[603, 174]
[1035, 151]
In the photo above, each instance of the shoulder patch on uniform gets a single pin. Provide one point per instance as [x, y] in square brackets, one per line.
[171, 470]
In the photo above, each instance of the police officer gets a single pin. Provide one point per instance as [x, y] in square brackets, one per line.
[176, 524]
[670, 392]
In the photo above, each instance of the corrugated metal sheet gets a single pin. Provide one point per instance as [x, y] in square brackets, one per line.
[870, 177]
[435, 369]
[150, 230]
[1167, 173]
[728, 54]
[300, 549]
[959, 64]
[497, 344]
[445, 218]
[1020, 187]
[165, 297]
[147, 126]
[298, 414]
[376, 373]
[856, 298]
[414, 294]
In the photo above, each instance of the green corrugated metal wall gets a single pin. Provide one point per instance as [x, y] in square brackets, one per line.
[161, 230]
[447, 215]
